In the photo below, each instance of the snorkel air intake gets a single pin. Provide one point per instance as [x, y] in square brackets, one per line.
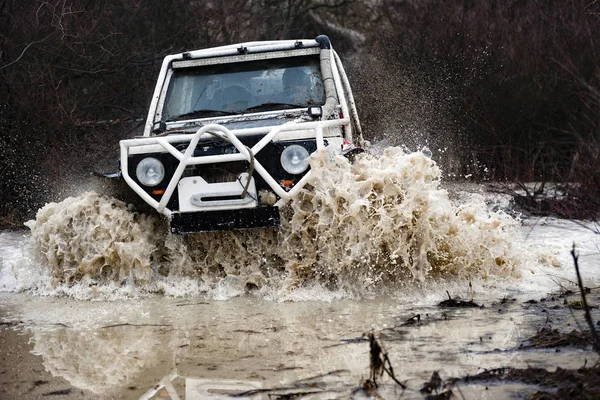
[331, 100]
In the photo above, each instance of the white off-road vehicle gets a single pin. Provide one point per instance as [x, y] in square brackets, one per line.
[230, 129]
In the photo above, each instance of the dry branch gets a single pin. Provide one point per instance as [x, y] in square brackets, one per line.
[588, 317]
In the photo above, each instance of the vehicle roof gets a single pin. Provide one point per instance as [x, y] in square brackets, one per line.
[246, 47]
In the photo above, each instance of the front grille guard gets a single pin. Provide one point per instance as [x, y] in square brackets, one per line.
[186, 158]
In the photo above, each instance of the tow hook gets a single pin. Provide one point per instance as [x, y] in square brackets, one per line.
[350, 151]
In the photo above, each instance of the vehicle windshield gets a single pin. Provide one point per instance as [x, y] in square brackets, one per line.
[255, 86]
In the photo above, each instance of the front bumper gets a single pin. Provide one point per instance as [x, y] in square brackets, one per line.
[223, 220]
[196, 205]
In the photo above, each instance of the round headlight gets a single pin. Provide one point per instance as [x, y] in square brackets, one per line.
[294, 159]
[150, 171]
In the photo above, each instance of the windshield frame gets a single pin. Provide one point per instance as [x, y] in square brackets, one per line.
[311, 54]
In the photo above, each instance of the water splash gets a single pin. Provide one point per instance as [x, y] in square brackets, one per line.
[95, 236]
[379, 222]
[385, 219]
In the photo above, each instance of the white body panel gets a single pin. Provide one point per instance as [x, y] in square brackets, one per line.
[195, 193]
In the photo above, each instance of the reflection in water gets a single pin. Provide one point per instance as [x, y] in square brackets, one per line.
[250, 346]
[199, 389]
[100, 359]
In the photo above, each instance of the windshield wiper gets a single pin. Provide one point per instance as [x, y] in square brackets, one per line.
[201, 113]
[273, 106]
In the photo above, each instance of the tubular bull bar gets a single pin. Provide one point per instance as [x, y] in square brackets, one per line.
[209, 131]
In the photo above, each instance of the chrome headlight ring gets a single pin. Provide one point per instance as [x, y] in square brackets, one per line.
[150, 171]
[294, 159]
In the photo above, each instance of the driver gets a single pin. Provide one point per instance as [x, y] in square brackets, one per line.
[233, 98]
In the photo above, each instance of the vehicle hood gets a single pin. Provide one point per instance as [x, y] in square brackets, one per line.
[242, 122]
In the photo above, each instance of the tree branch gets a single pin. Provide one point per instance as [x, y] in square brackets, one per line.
[24, 50]
[588, 317]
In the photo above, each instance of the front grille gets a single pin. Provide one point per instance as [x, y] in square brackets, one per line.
[218, 173]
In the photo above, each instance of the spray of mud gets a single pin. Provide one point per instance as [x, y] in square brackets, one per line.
[377, 223]
[94, 236]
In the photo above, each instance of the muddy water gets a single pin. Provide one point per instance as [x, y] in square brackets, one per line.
[131, 349]
[113, 307]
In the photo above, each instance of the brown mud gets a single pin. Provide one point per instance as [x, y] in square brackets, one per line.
[560, 383]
